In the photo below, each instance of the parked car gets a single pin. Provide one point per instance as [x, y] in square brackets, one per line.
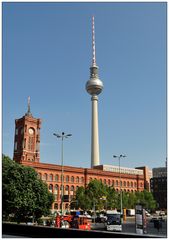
[162, 213]
[147, 214]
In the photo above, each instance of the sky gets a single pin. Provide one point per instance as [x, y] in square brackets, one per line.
[47, 54]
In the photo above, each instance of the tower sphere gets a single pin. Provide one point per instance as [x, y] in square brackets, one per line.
[94, 86]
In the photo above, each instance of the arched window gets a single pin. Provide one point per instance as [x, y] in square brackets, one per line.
[56, 206]
[82, 179]
[104, 181]
[57, 178]
[120, 183]
[117, 183]
[77, 179]
[112, 182]
[61, 188]
[72, 179]
[72, 188]
[77, 188]
[135, 184]
[124, 183]
[45, 176]
[56, 187]
[51, 188]
[67, 178]
[131, 184]
[51, 177]
[128, 184]
[67, 188]
[109, 182]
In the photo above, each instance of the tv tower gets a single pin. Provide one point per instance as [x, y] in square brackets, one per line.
[94, 87]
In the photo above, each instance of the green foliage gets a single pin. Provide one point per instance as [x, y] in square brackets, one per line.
[146, 199]
[23, 194]
[105, 197]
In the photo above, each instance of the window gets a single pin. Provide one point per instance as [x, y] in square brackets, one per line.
[56, 178]
[131, 184]
[67, 178]
[104, 181]
[72, 179]
[124, 183]
[31, 143]
[51, 177]
[15, 146]
[67, 188]
[45, 176]
[117, 183]
[50, 187]
[56, 206]
[56, 187]
[24, 145]
[72, 188]
[82, 179]
[77, 179]
[109, 182]
[16, 131]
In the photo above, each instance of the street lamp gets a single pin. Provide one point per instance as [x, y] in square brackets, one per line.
[62, 136]
[121, 204]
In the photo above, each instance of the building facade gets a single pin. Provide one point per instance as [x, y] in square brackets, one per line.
[27, 152]
[159, 186]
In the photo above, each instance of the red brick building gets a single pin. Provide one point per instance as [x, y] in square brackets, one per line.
[27, 152]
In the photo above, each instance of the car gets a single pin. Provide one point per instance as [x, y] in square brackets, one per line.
[162, 213]
[154, 217]
[147, 214]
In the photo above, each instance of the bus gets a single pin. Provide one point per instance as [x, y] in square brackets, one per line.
[114, 222]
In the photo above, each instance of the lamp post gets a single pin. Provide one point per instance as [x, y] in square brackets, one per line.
[121, 204]
[62, 136]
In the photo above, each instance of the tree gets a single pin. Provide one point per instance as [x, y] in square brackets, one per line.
[146, 199]
[97, 195]
[102, 196]
[23, 194]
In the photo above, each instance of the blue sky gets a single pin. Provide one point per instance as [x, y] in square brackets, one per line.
[47, 55]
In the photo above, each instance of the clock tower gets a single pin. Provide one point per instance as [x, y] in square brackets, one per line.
[27, 138]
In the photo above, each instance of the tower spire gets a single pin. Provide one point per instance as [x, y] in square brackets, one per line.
[29, 111]
[93, 43]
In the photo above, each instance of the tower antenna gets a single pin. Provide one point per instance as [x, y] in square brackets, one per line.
[93, 43]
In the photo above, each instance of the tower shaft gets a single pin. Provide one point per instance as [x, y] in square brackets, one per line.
[95, 159]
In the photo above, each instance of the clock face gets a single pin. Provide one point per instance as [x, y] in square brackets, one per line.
[30, 131]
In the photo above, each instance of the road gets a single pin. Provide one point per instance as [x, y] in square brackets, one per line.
[129, 227]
